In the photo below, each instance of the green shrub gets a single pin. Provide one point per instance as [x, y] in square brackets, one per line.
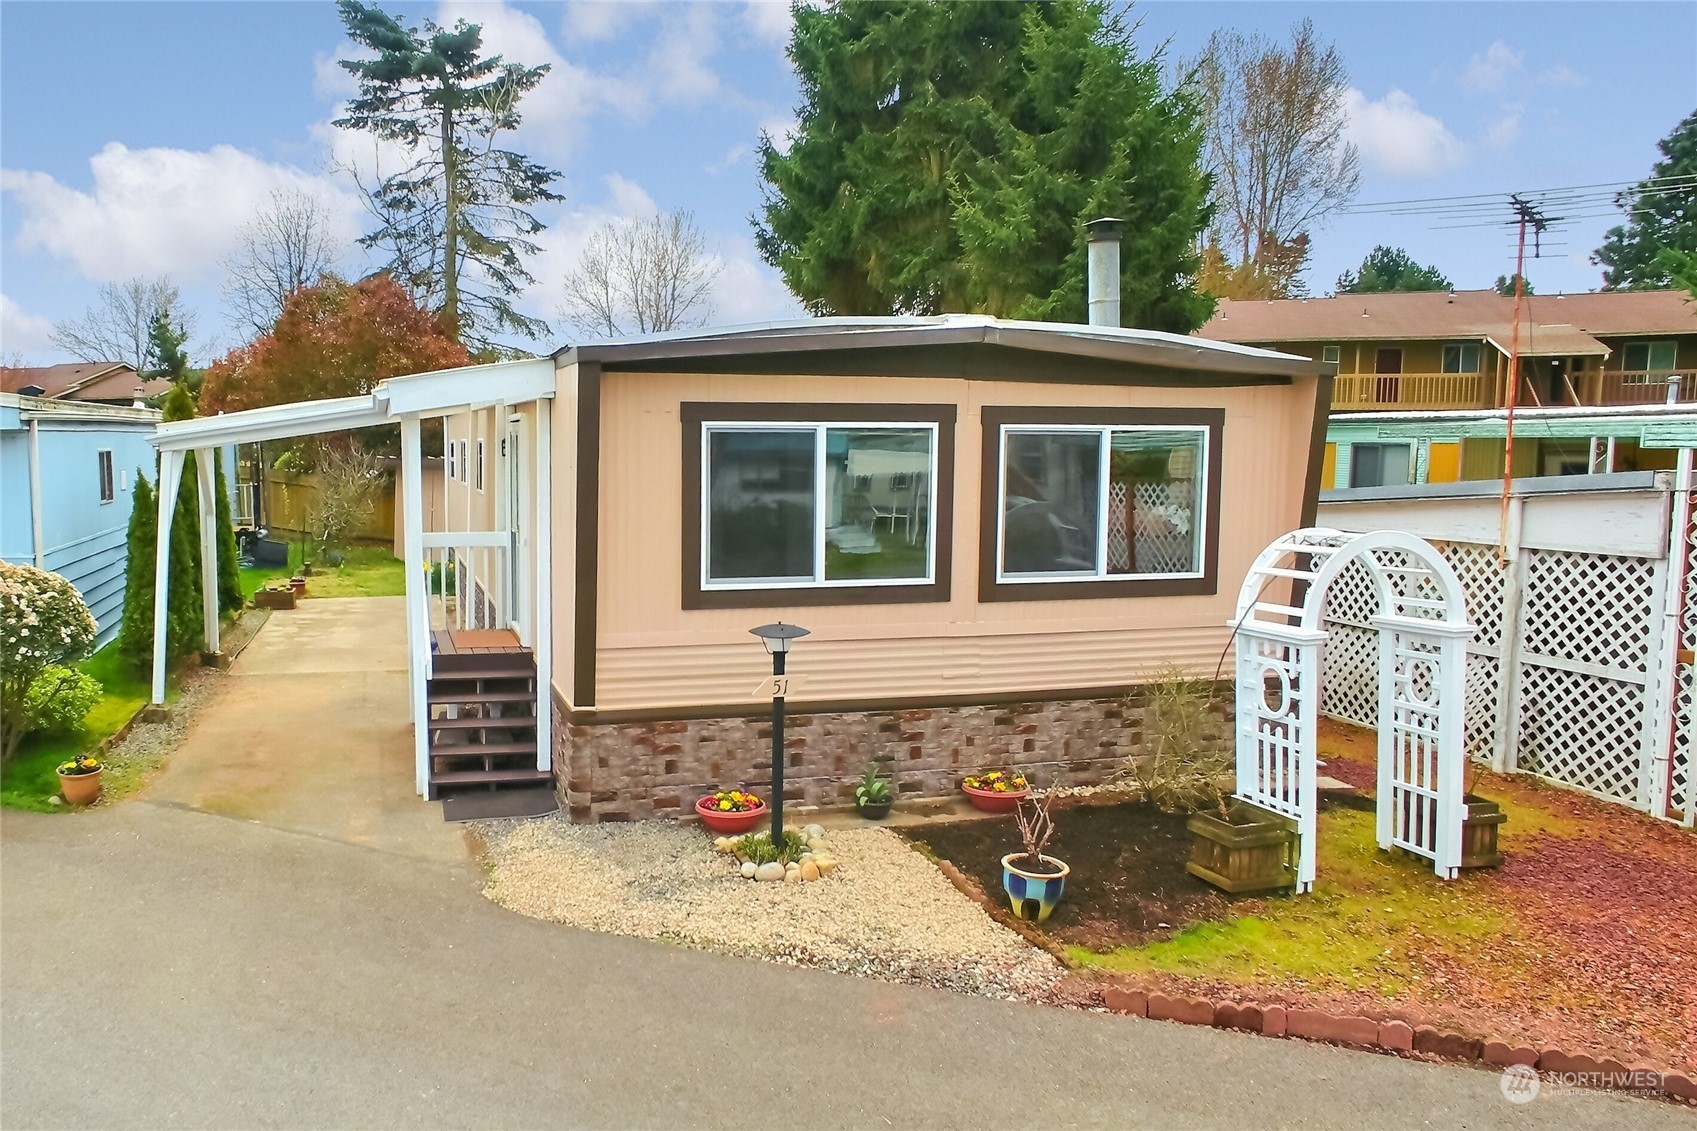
[759, 848]
[59, 700]
[44, 624]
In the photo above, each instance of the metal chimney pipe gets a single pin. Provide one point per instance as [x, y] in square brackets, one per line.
[1103, 236]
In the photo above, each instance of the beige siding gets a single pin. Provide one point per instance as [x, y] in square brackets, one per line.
[563, 552]
[651, 653]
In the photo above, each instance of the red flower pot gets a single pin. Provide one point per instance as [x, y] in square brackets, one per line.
[729, 824]
[990, 801]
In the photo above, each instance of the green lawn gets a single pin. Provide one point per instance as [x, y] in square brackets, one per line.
[30, 779]
[367, 571]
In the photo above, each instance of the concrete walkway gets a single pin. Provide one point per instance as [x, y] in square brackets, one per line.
[161, 967]
[310, 733]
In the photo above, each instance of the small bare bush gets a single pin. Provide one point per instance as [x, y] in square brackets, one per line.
[1183, 766]
[348, 485]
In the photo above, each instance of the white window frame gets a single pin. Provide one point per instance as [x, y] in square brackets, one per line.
[1332, 355]
[478, 474]
[1104, 449]
[463, 459]
[818, 428]
[1649, 370]
[106, 476]
[1462, 348]
[453, 465]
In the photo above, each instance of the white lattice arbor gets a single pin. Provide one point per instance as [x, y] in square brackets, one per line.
[1421, 688]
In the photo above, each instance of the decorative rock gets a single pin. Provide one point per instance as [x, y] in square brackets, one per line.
[813, 830]
[748, 869]
[55, 800]
[825, 864]
[792, 874]
[769, 871]
[809, 870]
[725, 844]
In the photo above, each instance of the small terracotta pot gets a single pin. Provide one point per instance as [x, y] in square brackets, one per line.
[80, 789]
[992, 802]
[729, 824]
[298, 584]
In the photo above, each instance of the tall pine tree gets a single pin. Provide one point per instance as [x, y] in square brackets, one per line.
[183, 611]
[947, 157]
[1661, 214]
[135, 638]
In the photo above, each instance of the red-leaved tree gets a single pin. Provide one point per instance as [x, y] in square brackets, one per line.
[333, 339]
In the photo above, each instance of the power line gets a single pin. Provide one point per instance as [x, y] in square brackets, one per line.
[1493, 199]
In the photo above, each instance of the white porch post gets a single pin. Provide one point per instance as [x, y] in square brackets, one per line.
[170, 473]
[542, 580]
[418, 616]
[206, 466]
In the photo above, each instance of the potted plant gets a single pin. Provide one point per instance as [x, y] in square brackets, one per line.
[730, 812]
[1034, 882]
[872, 796]
[79, 780]
[1186, 766]
[996, 791]
[298, 584]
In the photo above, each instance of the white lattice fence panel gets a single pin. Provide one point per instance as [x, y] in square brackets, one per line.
[1682, 792]
[1583, 725]
[1482, 578]
[1349, 662]
[1581, 731]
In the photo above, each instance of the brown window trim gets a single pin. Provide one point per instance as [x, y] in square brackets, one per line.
[694, 414]
[993, 418]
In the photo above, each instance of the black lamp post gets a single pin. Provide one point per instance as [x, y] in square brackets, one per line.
[777, 639]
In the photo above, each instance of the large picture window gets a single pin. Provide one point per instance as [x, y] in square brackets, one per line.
[1099, 503]
[822, 508]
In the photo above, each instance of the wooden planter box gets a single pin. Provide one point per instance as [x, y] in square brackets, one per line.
[1253, 851]
[274, 599]
[1479, 833]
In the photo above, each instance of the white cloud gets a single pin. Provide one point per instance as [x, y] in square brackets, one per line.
[1395, 136]
[22, 334]
[592, 21]
[1561, 75]
[749, 291]
[627, 198]
[1502, 132]
[733, 156]
[770, 20]
[329, 80]
[1492, 70]
[159, 211]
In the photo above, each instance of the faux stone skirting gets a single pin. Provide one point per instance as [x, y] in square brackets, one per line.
[636, 771]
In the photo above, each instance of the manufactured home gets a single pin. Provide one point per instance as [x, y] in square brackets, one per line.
[993, 531]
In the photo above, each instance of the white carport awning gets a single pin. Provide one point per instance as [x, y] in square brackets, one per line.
[436, 393]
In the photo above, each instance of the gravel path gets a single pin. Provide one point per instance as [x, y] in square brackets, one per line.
[886, 912]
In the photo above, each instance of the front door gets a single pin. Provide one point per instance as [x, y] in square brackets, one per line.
[517, 505]
[1387, 364]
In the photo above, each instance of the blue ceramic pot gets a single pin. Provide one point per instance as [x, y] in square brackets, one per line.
[1033, 895]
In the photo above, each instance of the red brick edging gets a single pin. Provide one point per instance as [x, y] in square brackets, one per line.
[1381, 1036]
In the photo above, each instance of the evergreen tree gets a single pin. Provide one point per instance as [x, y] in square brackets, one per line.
[230, 598]
[1391, 269]
[135, 638]
[947, 158]
[186, 623]
[455, 222]
[1661, 214]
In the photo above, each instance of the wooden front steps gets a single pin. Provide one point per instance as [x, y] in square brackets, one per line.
[482, 702]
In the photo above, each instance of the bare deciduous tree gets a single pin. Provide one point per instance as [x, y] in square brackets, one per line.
[642, 276]
[118, 326]
[1276, 145]
[285, 247]
[348, 484]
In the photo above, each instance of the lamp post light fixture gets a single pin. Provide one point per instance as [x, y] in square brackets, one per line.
[777, 638]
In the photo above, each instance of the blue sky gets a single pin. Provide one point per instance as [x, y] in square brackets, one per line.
[135, 138]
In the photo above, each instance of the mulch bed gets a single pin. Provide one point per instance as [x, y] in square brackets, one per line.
[1128, 883]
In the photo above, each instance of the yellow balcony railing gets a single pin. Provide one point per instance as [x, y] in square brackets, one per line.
[1365, 392]
[1652, 387]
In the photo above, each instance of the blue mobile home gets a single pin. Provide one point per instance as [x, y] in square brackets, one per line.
[67, 471]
